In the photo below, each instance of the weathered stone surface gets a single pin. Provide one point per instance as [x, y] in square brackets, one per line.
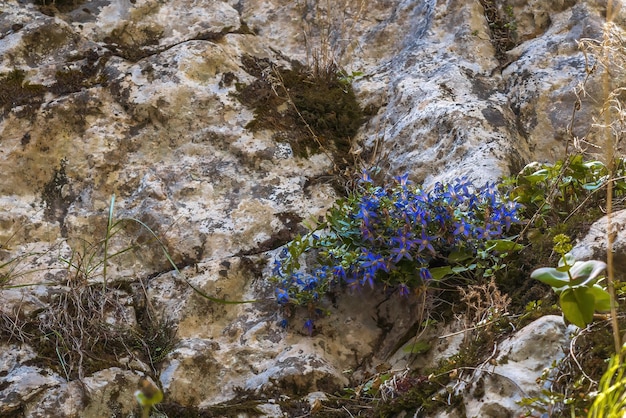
[140, 100]
[21, 381]
[594, 245]
[494, 389]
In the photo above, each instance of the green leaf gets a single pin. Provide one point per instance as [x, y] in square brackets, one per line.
[551, 276]
[418, 347]
[537, 176]
[587, 272]
[593, 185]
[594, 166]
[439, 273]
[577, 305]
[459, 256]
[602, 298]
[567, 260]
[503, 245]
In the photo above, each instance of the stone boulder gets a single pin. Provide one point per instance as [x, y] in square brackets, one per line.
[594, 245]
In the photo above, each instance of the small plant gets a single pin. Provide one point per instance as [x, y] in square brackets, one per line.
[87, 326]
[611, 398]
[148, 395]
[559, 189]
[397, 238]
[576, 283]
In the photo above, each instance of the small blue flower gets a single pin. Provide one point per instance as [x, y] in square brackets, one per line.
[282, 296]
[310, 283]
[403, 290]
[339, 272]
[278, 268]
[368, 277]
[425, 274]
[308, 325]
[488, 232]
[508, 215]
[462, 228]
[374, 262]
[425, 243]
[403, 246]
[365, 177]
[403, 180]
[367, 210]
[322, 272]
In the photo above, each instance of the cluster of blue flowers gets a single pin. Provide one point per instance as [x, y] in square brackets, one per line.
[392, 237]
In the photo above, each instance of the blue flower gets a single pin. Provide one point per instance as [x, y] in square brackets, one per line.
[310, 283]
[451, 195]
[365, 177]
[424, 243]
[462, 228]
[508, 215]
[308, 325]
[322, 273]
[404, 244]
[425, 274]
[403, 290]
[374, 262]
[403, 180]
[278, 268]
[418, 214]
[368, 277]
[488, 232]
[282, 296]
[367, 210]
[340, 272]
[462, 187]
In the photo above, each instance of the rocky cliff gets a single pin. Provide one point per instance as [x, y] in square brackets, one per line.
[211, 124]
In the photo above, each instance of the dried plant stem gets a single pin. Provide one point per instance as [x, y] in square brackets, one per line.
[610, 163]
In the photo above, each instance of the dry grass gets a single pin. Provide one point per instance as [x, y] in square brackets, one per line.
[484, 306]
[329, 30]
[88, 321]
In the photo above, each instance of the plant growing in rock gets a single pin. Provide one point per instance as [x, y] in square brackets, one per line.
[611, 398]
[397, 238]
[90, 324]
[558, 189]
[148, 395]
[576, 283]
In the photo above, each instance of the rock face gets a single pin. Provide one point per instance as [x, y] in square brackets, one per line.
[518, 365]
[142, 100]
[594, 245]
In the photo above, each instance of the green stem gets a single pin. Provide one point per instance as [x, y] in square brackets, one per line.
[106, 243]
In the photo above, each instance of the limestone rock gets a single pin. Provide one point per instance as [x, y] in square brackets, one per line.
[141, 100]
[519, 362]
[22, 379]
[594, 245]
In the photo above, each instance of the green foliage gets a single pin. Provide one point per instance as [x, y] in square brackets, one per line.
[555, 191]
[398, 238]
[552, 403]
[577, 284]
[611, 399]
[564, 197]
